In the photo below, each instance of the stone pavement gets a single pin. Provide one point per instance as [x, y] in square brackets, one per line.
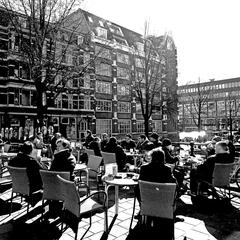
[197, 224]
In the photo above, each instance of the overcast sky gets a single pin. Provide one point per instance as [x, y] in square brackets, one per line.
[206, 32]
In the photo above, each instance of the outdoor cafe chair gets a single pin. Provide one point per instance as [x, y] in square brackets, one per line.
[89, 152]
[158, 200]
[80, 207]
[220, 179]
[108, 158]
[20, 184]
[51, 186]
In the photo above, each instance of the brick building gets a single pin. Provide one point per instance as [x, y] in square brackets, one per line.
[101, 100]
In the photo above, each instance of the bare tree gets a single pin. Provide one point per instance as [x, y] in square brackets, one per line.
[46, 40]
[199, 96]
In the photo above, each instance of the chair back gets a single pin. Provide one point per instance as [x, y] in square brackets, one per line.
[20, 180]
[51, 185]
[108, 157]
[6, 147]
[90, 152]
[157, 199]
[221, 174]
[71, 197]
[93, 164]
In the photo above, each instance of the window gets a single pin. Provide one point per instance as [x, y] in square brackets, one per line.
[101, 23]
[103, 126]
[211, 109]
[124, 126]
[140, 46]
[102, 32]
[124, 107]
[103, 106]
[140, 126]
[139, 62]
[138, 108]
[75, 102]
[157, 126]
[64, 101]
[104, 69]
[102, 52]
[90, 19]
[103, 87]
[25, 98]
[85, 102]
[79, 40]
[123, 73]
[221, 108]
[116, 30]
[87, 81]
[122, 58]
[87, 58]
[123, 89]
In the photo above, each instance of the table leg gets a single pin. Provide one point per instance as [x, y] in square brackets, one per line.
[116, 199]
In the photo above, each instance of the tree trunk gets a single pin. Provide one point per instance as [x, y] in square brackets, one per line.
[146, 126]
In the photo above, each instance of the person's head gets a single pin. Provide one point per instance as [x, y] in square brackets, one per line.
[63, 144]
[128, 137]
[154, 137]
[221, 147]
[58, 135]
[88, 132]
[26, 148]
[167, 143]
[97, 139]
[105, 137]
[112, 140]
[142, 138]
[215, 140]
[158, 156]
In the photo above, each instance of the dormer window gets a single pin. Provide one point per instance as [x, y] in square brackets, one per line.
[140, 46]
[90, 19]
[101, 23]
[102, 32]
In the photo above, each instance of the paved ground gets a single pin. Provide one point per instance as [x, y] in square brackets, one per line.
[198, 224]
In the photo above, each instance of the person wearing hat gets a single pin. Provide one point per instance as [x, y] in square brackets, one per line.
[154, 139]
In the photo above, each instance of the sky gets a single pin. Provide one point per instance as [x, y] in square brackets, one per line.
[206, 32]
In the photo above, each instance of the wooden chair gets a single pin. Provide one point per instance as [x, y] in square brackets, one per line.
[79, 207]
[20, 184]
[158, 200]
[108, 157]
[51, 186]
[220, 179]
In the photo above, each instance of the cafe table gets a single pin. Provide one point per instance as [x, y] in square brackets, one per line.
[135, 156]
[121, 180]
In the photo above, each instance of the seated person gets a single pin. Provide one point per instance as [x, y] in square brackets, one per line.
[204, 171]
[104, 141]
[142, 143]
[113, 147]
[89, 138]
[63, 158]
[95, 146]
[211, 146]
[38, 141]
[128, 143]
[154, 138]
[24, 160]
[155, 171]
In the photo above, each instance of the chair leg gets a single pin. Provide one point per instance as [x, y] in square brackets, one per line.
[90, 224]
[76, 233]
[106, 221]
[43, 209]
[11, 204]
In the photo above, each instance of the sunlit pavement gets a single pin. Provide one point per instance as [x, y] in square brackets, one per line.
[196, 226]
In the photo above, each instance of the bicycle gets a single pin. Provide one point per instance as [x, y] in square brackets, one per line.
[235, 175]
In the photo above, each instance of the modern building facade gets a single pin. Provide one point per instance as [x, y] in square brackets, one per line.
[220, 106]
[102, 100]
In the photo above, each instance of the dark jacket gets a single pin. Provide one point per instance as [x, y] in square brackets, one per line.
[205, 170]
[33, 167]
[157, 144]
[120, 154]
[168, 156]
[128, 145]
[103, 144]
[64, 161]
[142, 146]
[88, 139]
[96, 147]
[158, 173]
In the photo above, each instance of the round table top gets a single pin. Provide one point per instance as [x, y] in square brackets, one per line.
[134, 154]
[123, 180]
[80, 166]
[8, 154]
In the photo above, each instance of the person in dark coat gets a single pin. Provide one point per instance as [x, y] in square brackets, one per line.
[95, 146]
[53, 141]
[167, 148]
[142, 143]
[128, 143]
[104, 141]
[64, 160]
[154, 138]
[89, 138]
[113, 147]
[24, 160]
[204, 172]
[211, 146]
